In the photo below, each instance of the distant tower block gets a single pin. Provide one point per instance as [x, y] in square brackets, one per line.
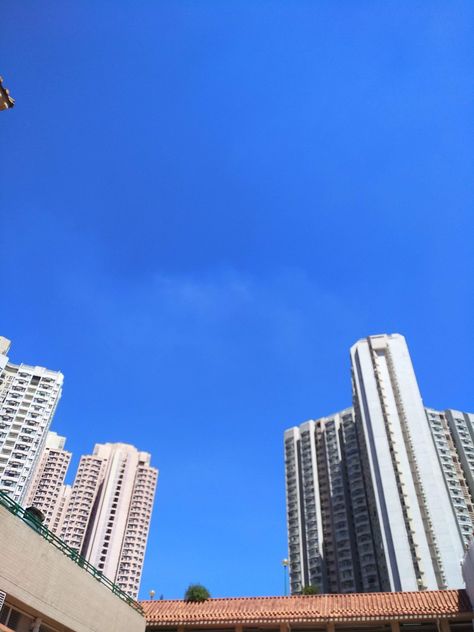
[47, 490]
[108, 515]
[28, 399]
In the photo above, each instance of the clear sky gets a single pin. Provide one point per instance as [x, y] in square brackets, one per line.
[203, 204]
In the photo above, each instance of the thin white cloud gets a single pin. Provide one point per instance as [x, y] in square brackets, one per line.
[279, 311]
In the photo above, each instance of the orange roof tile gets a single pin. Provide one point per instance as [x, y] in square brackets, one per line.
[309, 609]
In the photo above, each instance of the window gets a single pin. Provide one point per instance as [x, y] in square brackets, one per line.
[10, 618]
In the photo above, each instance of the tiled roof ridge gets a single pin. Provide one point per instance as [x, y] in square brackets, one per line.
[393, 594]
[310, 608]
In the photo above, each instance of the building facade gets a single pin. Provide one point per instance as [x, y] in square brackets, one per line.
[455, 475]
[329, 529]
[379, 496]
[47, 490]
[28, 399]
[419, 538]
[108, 514]
[461, 426]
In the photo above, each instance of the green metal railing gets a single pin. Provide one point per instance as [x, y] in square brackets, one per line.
[73, 555]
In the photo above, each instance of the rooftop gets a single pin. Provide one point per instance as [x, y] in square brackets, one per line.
[310, 609]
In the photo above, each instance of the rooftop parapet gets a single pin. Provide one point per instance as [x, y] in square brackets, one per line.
[27, 517]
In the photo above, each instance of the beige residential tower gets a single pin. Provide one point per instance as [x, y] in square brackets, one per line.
[108, 514]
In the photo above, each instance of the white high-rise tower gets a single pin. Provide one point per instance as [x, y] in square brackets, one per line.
[380, 495]
[28, 399]
[418, 531]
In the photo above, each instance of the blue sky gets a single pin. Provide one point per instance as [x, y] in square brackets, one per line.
[202, 206]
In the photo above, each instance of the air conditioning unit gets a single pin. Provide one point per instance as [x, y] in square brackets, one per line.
[2, 599]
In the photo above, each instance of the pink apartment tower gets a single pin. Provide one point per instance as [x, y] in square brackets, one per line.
[47, 491]
[106, 514]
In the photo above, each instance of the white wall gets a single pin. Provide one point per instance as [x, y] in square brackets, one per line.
[468, 571]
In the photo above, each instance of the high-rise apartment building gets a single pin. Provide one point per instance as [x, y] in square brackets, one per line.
[47, 490]
[329, 529]
[453, 471]
[379, 497]
[417, 534]
[28, 399]
[461, 426]
[108, 514]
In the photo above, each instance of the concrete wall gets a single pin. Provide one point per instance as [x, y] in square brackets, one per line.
[468, 571]
[391, 407]
[44, 582]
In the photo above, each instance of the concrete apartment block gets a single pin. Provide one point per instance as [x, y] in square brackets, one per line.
[28, 399]
[380, 496]
[329, 531]
[47, 491]
[420, 537]
[455, 476]
[107, 518]
[461, 426]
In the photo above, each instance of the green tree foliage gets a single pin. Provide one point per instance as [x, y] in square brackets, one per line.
[311, 590]
[196, 593]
